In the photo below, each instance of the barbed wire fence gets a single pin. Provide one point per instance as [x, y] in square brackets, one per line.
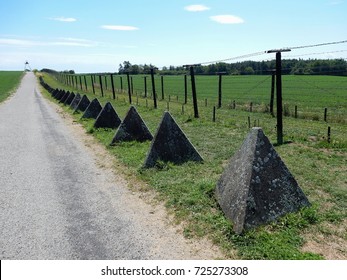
[243, 92]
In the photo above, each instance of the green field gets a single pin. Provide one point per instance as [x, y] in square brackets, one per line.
[311, 94]
[188, 189]
[9, 80]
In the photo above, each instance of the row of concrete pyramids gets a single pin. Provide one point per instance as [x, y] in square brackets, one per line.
[105, 117]
[170, 144]
[255, 188]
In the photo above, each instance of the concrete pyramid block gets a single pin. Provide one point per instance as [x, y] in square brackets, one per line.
[170, 144]
[59, 94]
[92, 110]
[133, 128]
[75, 101]
[54, 92]
[256, 187]
[64, 97]
[83, 104]
[107, 118]
[69, 99]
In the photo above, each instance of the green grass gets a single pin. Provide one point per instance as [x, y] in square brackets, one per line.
[9, 80]
[188, 189]
[311, 94]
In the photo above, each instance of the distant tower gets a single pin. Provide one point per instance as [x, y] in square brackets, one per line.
[27, 66]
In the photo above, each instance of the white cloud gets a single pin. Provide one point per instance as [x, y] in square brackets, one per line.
[227, 19]
[196, 8]
[17, 42]
[68, 42]
[64, 19]
[119, 27]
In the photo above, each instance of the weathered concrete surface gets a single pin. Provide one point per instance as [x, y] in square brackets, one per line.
[69, 99]
[170, 144]
[59, 94]
[93, 109]
[133, 128]
[256, 187]
[55, 92]
[64, 97]
[83, 104]
[75, 101]
[108, 118]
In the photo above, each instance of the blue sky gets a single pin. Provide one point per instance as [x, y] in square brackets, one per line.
[96, 36]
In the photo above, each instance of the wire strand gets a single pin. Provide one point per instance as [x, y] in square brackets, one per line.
[264, 52]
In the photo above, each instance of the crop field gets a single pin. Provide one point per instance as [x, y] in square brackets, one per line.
[311, 94]
[9, 80]
[188, 189]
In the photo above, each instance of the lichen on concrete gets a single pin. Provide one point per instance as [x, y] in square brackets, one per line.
[257, 188]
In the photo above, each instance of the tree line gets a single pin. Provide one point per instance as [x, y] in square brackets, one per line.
[289, 66]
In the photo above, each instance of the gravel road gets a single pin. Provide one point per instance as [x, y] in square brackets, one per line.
[58, 202]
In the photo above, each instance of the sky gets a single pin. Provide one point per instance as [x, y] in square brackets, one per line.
[96, 36]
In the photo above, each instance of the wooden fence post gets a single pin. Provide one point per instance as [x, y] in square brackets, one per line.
[329, 134]
[195, 100]
[91, 77]
[85, 82]
[81, 82]
[121, 83]
[279, 93]
[113, 89]
[325, 114]
[153, 89]
[296, 111]
[102, 90]
[145, 85]
[129, 87]
[220, 74]
[162, 87]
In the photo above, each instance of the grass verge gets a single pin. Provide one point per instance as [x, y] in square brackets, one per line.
[9, 81]
[188, 189]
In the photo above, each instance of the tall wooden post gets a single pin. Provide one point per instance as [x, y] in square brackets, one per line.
[113, 89]
[279, 94]
[279, 98]
[145, 85]
[153, 89]
[162, 87]
[91, 77]
[192, 77]
[102, 90]
[220, 74]
[85, 82]
[129, 87]
[81, 82]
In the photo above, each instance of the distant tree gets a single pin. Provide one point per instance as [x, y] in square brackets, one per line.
[120, 69]
[248, 70]
[134, 69]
